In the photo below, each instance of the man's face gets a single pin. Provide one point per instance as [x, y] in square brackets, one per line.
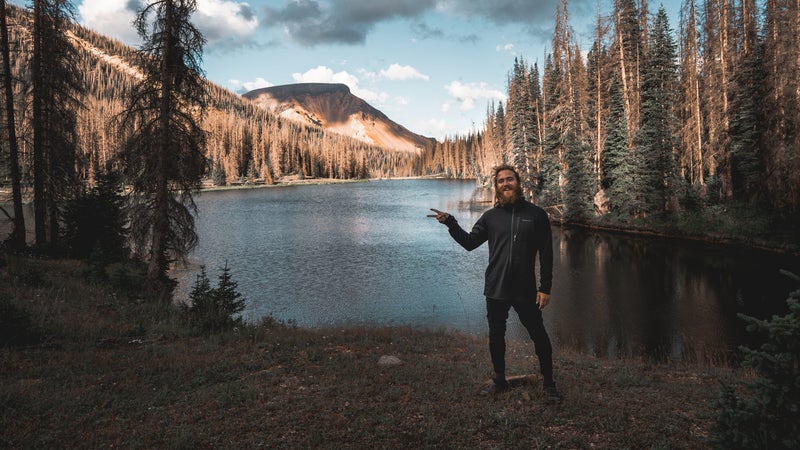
[507, 186]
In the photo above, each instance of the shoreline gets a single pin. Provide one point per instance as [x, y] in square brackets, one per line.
[687, 236]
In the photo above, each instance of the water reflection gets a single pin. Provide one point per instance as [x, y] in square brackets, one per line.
[365, 254]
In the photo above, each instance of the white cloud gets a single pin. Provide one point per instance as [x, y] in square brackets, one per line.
[225, 20]
[438, 128]
[468, 94]
[396, 72]
[401, 101]
[506, 48]
[323, 74]
[446, 107]
[247, 86]
[114, 19]
[219, 20]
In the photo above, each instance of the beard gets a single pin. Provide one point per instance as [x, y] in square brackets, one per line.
[509, 196]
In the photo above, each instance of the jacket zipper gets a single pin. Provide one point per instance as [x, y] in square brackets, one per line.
[513, 236]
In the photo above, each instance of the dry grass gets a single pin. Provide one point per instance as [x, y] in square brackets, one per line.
[111, 371]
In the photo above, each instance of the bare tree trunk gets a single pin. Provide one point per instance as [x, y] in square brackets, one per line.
[727, 183]
[17, 237]
[692, 130]
[158, 252]
[39, 170]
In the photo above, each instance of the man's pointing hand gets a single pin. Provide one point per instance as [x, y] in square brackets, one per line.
[440, 215]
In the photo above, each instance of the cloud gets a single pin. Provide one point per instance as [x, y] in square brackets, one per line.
[422, 31]
[433, 127]
[113, 19]
[224, 23]
[323, 74]
[312, 22]
[510, 11]
[469, 94]
[396, 72]
[247, 86]
[318, 22]
[506, 48]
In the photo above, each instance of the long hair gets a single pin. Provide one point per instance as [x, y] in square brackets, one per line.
[498, 196]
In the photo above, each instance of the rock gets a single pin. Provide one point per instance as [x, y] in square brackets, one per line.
[601, 203]
[388, 360]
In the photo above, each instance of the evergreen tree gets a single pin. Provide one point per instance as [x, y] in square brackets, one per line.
[56, 85]
[94, 222]
[655, 140]
[548, 181]
[537, 110]
[617, 165]
[500, 128]
[214, 310]
[523, 125]
[579, 189]
[748, 116]
[766, 415]
[163, 150]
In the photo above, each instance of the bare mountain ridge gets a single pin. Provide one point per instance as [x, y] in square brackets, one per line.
[334, 108]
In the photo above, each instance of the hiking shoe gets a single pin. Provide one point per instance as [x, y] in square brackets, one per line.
[551, 394]
[494, 388]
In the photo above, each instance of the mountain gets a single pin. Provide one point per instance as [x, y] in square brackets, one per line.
[334, 108]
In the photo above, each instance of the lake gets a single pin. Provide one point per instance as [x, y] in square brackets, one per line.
[366, 254]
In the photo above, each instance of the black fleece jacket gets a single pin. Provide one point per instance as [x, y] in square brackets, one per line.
[516, 234]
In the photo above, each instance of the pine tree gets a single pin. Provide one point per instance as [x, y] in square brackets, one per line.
[748, 115]
[523, 125]
[655, 140]
[56, 87]
[163, 151]
[548, 188]
[617, 165]
[766, 415]
[580, 184]
[94, 222]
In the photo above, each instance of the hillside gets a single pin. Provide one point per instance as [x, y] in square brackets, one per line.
[245, 143]
[334, 108]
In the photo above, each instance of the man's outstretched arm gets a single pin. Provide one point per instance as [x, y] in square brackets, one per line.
[469, 241]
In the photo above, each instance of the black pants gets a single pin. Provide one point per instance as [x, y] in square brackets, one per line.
[531, 318]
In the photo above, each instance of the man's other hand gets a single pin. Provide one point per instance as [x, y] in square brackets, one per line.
[542, 300]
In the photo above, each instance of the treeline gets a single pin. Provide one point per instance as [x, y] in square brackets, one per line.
[646, 125]
[87, 118]
[245, 143]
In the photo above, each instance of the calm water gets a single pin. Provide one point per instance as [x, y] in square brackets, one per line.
[365, 253]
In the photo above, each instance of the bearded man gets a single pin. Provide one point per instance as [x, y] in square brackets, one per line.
[518, 231]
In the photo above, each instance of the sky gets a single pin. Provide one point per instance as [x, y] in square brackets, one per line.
[432, 66]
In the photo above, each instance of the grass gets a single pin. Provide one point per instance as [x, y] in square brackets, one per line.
[109, 370]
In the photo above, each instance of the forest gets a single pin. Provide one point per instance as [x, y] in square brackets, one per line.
[651, 124]
[650, 128]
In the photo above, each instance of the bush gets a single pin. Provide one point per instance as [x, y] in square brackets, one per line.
[94, 223]
[214, 310]
[764, 413]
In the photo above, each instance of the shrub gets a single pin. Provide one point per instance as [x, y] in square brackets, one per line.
[94, 224]
[764, 413]
[214, 310]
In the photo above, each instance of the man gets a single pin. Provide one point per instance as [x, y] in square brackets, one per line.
[517, 232]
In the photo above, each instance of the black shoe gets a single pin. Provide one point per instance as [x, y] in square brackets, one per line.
[494, 388]
[551, 394]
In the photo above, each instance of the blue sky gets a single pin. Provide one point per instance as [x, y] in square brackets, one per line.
[431, 65]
